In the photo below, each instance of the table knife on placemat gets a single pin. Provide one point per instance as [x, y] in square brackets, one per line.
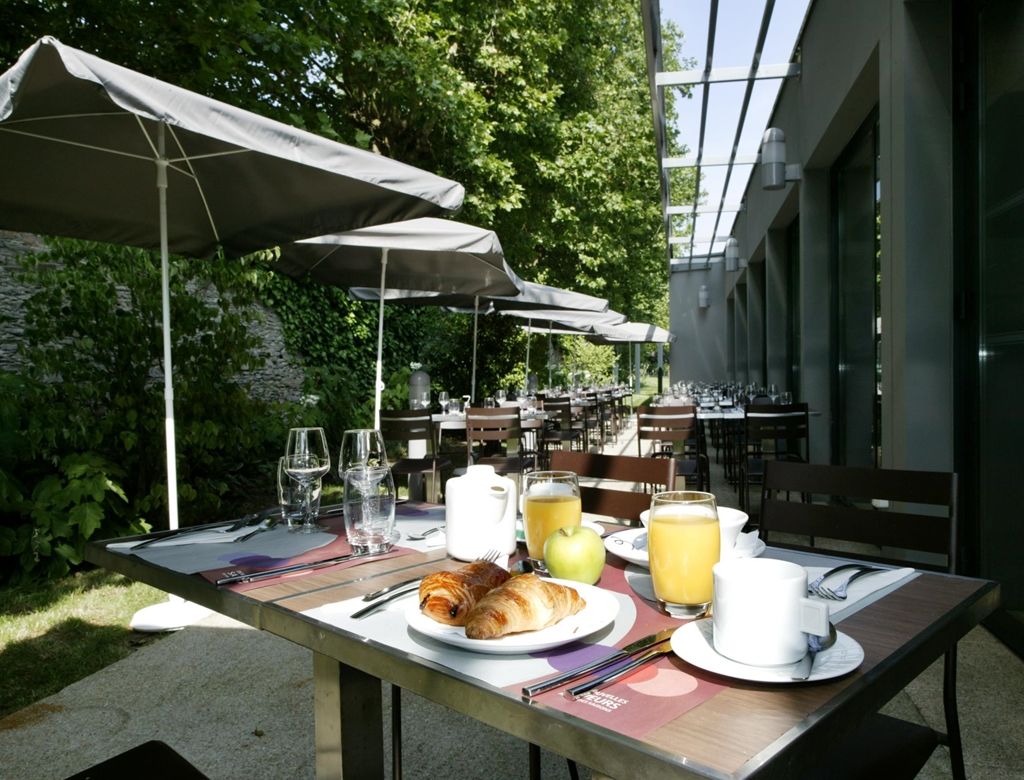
[255, 576]
[655, 651]
[638, 646]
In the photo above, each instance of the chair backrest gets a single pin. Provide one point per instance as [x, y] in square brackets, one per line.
[405, 425]
[623, 504]
[843, 503]
[788, 423]
[486, 424]
[667, 424]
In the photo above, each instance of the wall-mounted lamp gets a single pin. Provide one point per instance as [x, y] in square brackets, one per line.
[732, 255]
[774, 170]
[702, 297]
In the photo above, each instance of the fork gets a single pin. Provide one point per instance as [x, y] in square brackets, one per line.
[815, 586]
[385, 595]
[839, 594]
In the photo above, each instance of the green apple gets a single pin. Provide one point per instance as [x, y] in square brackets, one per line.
[575, 553]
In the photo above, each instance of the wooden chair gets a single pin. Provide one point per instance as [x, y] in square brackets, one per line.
[840, 503]
[402, 426]
[561, 429]
[624, 502]
[675, 431]
[770, 432]
[494, 438]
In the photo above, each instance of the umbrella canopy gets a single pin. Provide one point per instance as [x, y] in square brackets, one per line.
[554, 321]
[631, 332]
[97, 151]
[532, 296]
[431, 255]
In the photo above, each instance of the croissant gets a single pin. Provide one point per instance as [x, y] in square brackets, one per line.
[448, 596]
[524, 603]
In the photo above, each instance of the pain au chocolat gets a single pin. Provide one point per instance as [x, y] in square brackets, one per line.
[448, 596]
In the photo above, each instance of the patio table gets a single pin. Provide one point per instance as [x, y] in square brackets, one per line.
[736, 729]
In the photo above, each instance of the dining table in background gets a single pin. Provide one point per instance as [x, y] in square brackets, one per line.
[736, 729]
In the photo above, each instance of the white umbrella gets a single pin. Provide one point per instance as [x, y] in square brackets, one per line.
[430, 255]
[94, 150]
[532, 296]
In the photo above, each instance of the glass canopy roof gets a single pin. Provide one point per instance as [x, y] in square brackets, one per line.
[735, 54]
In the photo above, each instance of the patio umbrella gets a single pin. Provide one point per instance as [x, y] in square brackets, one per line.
[97, 151]
[554, 320]
[430, 255]
[532, 296]
[633, 333]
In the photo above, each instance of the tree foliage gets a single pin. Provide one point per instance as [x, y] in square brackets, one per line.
[539, 107]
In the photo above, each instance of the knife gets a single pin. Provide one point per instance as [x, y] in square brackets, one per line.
[656, 651]
[580, 671]
[263, 575]
[384, 591]
[402, 589]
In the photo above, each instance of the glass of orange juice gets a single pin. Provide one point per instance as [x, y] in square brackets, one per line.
[551, 500]
[683, 544]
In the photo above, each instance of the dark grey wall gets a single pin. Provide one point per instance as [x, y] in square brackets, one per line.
[856, 56]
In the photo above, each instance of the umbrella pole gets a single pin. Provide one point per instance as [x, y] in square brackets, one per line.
[165, 292]
[526, 381]
[379, 384]
[476, 313]
[174, 613]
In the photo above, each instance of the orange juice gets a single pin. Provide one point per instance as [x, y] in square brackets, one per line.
[683, 545]
[545, 514]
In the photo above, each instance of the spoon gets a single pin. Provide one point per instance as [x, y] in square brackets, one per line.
[425, 534]
[815, 644]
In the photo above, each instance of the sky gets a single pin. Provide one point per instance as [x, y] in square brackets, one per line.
[736, 34]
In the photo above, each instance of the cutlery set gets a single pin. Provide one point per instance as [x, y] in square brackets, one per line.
[817, 588]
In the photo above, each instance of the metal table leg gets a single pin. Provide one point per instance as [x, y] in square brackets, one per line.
[349, 733]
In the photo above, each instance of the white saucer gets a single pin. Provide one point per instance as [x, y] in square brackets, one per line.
[631, 546]
[694, 644]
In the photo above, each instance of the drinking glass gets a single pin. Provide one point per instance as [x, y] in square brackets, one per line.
[551, 500]
[683, 544]
[369, 501]
[307, 470]
[442, 399]
[289, 496]
[500, 395]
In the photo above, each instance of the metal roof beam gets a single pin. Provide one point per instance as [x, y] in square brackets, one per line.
[687, 209]
[686, 78]
[690, 161]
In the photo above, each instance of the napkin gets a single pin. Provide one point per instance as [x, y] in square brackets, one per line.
[745, 544]
[860, 589]
[210, 536]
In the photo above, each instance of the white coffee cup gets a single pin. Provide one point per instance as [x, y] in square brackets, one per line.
[761, 611]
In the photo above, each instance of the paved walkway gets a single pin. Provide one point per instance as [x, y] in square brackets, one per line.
[237, 703]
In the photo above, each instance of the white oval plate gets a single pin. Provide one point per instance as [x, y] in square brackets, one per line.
[631, 546]
[601, 609]
[693, 643]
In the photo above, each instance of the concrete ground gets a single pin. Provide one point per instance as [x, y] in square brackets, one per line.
[237, 703]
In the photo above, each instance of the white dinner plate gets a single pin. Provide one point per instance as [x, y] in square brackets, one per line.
[595, 527]
[631, 546]
[601, 609]
[695, 645]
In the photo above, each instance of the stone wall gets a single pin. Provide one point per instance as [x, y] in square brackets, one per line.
[280, 378]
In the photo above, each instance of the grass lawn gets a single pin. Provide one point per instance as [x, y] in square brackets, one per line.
[55, 633]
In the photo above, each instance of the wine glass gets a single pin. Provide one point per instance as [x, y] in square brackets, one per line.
[307, 470]
[361, 447]
[500, 395]
[442, 399]
[307, 460]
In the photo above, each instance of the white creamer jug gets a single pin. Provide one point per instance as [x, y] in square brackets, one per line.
[480, 513]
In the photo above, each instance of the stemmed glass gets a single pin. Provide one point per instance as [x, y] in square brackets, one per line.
[442, 399]
[500, 396]
[369, 491]
[307, 460]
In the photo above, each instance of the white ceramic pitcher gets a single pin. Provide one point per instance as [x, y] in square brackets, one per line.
[480, 513]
